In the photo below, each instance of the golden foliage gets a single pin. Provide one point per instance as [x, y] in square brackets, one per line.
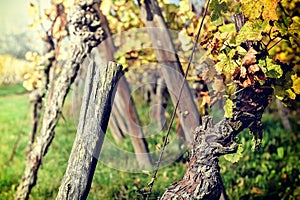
[12, 69]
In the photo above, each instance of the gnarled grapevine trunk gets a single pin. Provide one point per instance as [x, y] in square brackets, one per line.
[86, 33]
[202, 179]
[37, 95]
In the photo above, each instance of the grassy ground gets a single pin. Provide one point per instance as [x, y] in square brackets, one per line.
[272, 173]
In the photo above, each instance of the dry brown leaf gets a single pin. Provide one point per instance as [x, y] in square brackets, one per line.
[255, 190]
[243, 72]
[250, 57]
[236, 74]
[253, 68]
[246, 82]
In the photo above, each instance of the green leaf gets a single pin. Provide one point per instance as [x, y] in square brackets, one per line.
[271, 69]
[265, 168]
[252, 8]
[235, 157]
[283, 27]
[228, 108]
[280, 152]
[226, 64]
[252, 31]
[216, 7]
[282, 94]
[227, 28]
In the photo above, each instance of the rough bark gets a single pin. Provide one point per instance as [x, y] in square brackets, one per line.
[86, 33]
[37, 95]
[77, 93]
[202, 179]
[170, 66]
[94, 116]
[125, 104]
[107, 50]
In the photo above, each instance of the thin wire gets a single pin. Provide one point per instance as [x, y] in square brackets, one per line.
[177, 103]
[274, 44]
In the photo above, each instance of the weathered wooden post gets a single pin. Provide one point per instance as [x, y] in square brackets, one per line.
[128, 118]
[170, 66]
[96, 106]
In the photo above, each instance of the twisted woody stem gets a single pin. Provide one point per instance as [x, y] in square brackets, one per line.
[86, 33]
[202, 179]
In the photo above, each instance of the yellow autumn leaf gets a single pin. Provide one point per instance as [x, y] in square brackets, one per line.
[225, 64]
[252, 8]
[122, 60]
[296, 84]
[28, 55]
[228, 108]
[68, 4]
[32, 10]
[184, 6]
[269, 11]
[28, 85]
[38, 84]
[57, 2]
[120, 3]
[291, 94]
[252, 30]
[105, 7]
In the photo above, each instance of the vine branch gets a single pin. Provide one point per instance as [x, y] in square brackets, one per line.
[202, 179]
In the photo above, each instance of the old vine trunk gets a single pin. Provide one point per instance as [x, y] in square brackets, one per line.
[202, 179]
[83, 38]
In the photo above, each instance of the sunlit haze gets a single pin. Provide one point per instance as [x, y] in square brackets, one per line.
[13, 16]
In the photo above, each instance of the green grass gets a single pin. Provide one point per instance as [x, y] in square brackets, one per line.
[108, 183]
[14, 121]
[272, 173]
[12, 89]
